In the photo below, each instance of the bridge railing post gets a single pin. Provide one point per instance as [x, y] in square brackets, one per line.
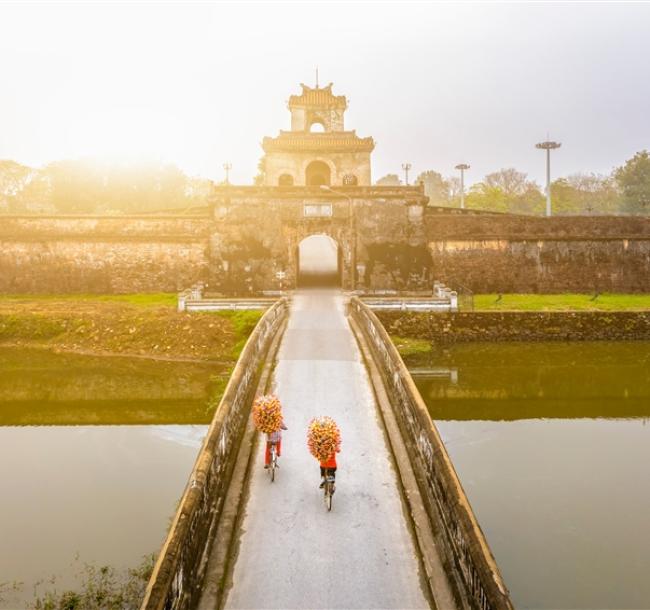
[182, 300]
[453, 300]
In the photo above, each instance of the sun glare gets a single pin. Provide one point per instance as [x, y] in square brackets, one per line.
[124, 133]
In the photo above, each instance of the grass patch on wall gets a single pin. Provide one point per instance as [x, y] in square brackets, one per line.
[243, 323]
[143, 299]
[562, 302]
[409, 347]
[136, 324]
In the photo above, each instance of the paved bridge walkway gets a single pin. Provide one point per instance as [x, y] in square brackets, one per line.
[293, 554]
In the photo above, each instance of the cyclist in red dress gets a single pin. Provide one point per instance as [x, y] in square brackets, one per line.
[328, 466]
[274, 437]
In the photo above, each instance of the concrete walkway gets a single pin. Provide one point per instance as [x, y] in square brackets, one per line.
[293, 553]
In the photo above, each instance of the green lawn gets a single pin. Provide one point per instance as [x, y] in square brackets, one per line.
[146, 299]
[408, 346]
[561, 302]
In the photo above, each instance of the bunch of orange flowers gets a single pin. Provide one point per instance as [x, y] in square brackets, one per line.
[267, 413]
[323, 438]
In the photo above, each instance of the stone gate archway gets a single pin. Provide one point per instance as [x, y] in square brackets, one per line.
[336, 233]
[319, 262]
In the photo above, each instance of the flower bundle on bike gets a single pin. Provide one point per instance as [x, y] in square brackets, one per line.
[267, 414]
[323, 438]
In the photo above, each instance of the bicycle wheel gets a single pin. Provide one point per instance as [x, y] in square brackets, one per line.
[273, 463]
[328, 496]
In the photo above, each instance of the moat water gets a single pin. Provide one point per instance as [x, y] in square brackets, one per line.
[551, 442]
[91, 494]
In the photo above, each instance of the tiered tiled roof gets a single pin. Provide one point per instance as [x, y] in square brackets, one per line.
[334, 141]
[321, 97]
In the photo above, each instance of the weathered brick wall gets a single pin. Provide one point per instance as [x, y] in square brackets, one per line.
[102, 254]
[445, 224]
[507, 253]
[158, 227]
[55, 266]
[247, 235]
[519, 325]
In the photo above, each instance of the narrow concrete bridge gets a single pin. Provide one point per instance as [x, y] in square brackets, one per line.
[401, 534]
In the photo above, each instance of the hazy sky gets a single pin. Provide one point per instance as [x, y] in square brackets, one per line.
[434, 83]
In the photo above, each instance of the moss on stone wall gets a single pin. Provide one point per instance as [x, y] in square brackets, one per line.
[519, 326]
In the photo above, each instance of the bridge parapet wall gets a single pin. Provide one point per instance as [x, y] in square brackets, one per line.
[463, 545]
[178, 574]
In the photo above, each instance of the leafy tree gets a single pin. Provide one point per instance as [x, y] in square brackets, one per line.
[36, 195]
[585, 194]
[13, 179]
[389, 180]
[83, 186]
[507, 190]
[73, 186]
[482, 196]
[633, 179]
[436, 187]
[510, 181]
[198, 191]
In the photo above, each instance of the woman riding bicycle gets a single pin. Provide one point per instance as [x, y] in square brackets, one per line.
[328, 467]
[274, 438]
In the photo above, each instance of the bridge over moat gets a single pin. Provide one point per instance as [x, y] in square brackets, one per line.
[401, 534]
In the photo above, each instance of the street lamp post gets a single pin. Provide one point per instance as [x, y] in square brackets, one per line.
[548, 147]
[406, 167]
[227, 166]
[353, 235]
[462, 167]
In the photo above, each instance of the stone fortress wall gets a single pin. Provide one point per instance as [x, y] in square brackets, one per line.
[248, 234]
[49, 254]
[512, 253]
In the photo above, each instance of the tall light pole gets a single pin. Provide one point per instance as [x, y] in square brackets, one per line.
[227, 166]
[353, 235]
[462, 167]
[406, 167]
[548, 147]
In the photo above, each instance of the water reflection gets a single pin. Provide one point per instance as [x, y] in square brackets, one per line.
[42, 388]
[551, 444]
[524, 380]
[102, 494]
[106, 494]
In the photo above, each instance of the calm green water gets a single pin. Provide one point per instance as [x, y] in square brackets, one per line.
[41, 388]
[75, 493]
[551, 442]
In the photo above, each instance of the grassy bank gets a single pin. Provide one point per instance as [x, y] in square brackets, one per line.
[136, 325]
[411, 348]
[562, 302]
[143, 299]
[194, 356]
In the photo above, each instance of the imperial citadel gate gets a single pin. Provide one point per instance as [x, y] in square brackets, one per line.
[315, 182]
[245, 239]
[256, 232]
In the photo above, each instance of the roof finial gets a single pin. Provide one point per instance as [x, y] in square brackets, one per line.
[316, 77]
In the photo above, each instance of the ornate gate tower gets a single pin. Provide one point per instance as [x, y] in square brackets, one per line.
[317, 150]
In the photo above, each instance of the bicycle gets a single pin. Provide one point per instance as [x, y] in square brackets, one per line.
[329, 488]
[273, 462]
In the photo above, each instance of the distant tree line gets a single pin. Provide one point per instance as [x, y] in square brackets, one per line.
[625, 191]
[87, 187]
